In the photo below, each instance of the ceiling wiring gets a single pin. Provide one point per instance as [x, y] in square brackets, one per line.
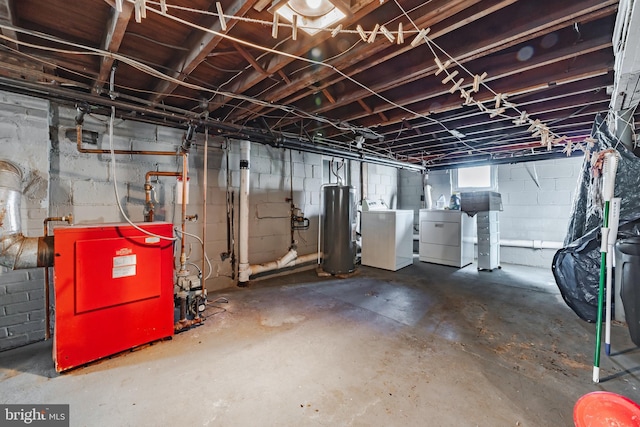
[295, 57]
[147, 69]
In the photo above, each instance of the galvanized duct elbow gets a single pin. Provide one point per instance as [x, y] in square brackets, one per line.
[16, 250]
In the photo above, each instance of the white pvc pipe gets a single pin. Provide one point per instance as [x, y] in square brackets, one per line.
[290, 259]
[533, 244]
[281, 262]
[243, 231]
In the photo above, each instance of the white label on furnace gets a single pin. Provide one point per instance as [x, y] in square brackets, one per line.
[124, 271]
[119, 261]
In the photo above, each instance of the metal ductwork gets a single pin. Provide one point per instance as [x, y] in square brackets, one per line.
[16, 250]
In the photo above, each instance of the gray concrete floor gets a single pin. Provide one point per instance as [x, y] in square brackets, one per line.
[428, 345]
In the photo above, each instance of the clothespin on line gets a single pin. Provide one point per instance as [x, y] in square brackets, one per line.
[140, 10]
[372, 36]
[223, 23]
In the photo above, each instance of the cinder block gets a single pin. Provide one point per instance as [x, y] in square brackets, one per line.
[297, 156]
[275, 244]
[23, 307]
[8, 299]
[35, 273]
[518, 198]
[3, 290]
[566, 183]
[90, 192]
[561, 169]
[261, 165]
[546, 184]
[269, 182]
[508, 186]
[298, 184]
[35, 336]
[299, 170]
[23, 328]
[268, 227]
[273, 210]
[16, 319]
[278, 167]
[312, 184]
[97, 214]
[3, 333]
[83, 166]
[13, 342]
[24, 101]
[235, 179]
[314, 198]
[36, 295]
[36, 315]
[555, 198]
[15, 276]
[317, 171]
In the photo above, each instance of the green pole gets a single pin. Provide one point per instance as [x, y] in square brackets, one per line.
[603, 274]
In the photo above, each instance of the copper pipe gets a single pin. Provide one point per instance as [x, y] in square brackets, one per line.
[138, 152]
[149, 174]
[204, 212]
[47, 302]
[147, 191]
[183, 258]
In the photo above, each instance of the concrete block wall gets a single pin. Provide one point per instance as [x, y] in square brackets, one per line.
[536, 213]
[382, 184]
[530, 212]
[40, 139]
[410, 190]
[24, 136]
[276, 174]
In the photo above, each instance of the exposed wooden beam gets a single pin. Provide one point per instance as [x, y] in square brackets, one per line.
[584, 67]
[364, 106]
[544, 100]
[507, 68]
[330, 97]
[300, 48]
[284, 77]
[461, 52]
[114, 33]
[250, 59]
[200, 45]
[480, 131]
[360, 57]
[7, 17]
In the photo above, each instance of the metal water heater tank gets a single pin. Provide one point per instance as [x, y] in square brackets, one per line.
[339, 240]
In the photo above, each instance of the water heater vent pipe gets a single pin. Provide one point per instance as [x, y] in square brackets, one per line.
[16, 250]
[243, 231]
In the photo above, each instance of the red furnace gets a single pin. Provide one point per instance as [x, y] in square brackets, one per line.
[113, 290]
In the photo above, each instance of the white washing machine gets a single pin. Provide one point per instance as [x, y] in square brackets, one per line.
[387, 238]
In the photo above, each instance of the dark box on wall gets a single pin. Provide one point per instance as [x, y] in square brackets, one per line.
[479, 201]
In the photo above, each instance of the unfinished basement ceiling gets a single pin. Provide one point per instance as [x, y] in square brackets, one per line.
[548, 66]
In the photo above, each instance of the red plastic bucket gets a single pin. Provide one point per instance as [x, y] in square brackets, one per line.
[606, 409]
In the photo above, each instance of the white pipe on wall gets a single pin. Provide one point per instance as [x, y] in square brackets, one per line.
[289, 259]
[273, 265]
[531, 244]
[244, 270]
